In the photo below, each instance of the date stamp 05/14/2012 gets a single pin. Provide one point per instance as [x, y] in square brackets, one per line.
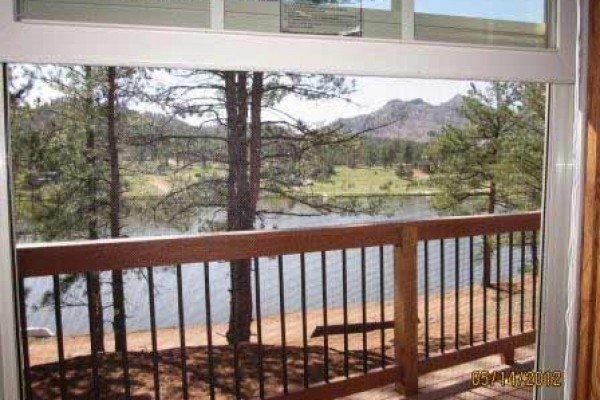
[517, 379]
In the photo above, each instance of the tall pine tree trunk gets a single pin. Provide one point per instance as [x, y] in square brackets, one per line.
[94, 287]
[255, 140]
[115, 206]
[487, 243]
[240, 216]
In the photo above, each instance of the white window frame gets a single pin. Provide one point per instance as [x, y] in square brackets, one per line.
[108, 44]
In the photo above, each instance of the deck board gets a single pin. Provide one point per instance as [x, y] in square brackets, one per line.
[455, 383]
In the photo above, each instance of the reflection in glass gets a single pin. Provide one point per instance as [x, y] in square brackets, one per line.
[513, 23]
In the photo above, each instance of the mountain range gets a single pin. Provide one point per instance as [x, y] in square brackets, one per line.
[414, 120]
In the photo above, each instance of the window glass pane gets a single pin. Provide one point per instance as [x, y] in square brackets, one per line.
[369, 18]
[510, 10]
[182, 13]
[494, 22]
[505, 23]
[126, 154]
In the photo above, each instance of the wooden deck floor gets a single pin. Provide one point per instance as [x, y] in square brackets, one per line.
[455, 383]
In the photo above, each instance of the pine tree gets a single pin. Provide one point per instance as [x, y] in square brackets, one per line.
[261, 151]
[494, 163]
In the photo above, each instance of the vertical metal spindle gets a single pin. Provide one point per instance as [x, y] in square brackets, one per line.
[180, 309]
[122, 323]
[345, 305]
[522, 282]
[498, 305]
[442, 296]
[426, 278]
[25, 340]
[363, 289]
[510, 283]
[261, 373]
[211, 362]
[125, 353]
[153, 332]
[304, 321]
[325, 319]
[237, 371]
[282, 319]
[93, 346]
[382, 304]
[471, 265]
[59, 336]
[534, 258]
[456, 293]
[485, 287]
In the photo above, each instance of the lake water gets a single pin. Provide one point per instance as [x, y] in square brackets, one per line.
[136, 284]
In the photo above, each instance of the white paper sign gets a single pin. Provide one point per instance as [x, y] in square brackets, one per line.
[320, 18]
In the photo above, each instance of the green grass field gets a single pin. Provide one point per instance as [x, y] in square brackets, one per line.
[364, 182]
[347, 181]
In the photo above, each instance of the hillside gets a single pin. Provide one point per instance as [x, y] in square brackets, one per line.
[414, 120]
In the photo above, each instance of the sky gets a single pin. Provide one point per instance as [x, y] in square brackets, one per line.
[373, 92]
[514, 10]
[370, 94]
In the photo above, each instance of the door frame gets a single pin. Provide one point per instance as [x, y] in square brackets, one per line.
[110, 44]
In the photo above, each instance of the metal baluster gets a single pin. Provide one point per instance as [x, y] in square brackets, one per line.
[211, 363]
[122, 321]
[510, 283]
[426, 273]
[456, 293]
[93, 347]
[325, 319]
[485, 290]
[153, 332]
[180, 309]
[471, 265]
[345, 301]
[535, 272]
[442, 296]
[25, 341]
[498, 261]
[304, 321]
[261, 374]
[237, 372]
[282, 319]
[59, 336]
[522, 282]
[382, 304]
[363, 289]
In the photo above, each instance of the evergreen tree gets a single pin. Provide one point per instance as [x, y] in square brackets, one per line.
[494, 163]
[264, 151]
[70, 172]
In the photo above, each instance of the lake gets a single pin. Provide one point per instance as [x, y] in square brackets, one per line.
[136, 285]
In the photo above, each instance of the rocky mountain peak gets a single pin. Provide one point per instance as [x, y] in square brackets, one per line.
[415, 120]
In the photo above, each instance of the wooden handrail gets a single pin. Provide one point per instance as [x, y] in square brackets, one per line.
[42, 259]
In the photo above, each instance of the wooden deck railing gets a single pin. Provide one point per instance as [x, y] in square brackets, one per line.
[412, 300]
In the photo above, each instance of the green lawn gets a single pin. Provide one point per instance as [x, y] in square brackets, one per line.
[366, 181]
[346, 182]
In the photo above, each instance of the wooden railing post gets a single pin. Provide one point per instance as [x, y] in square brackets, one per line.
[406, 310]
[508, 357]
